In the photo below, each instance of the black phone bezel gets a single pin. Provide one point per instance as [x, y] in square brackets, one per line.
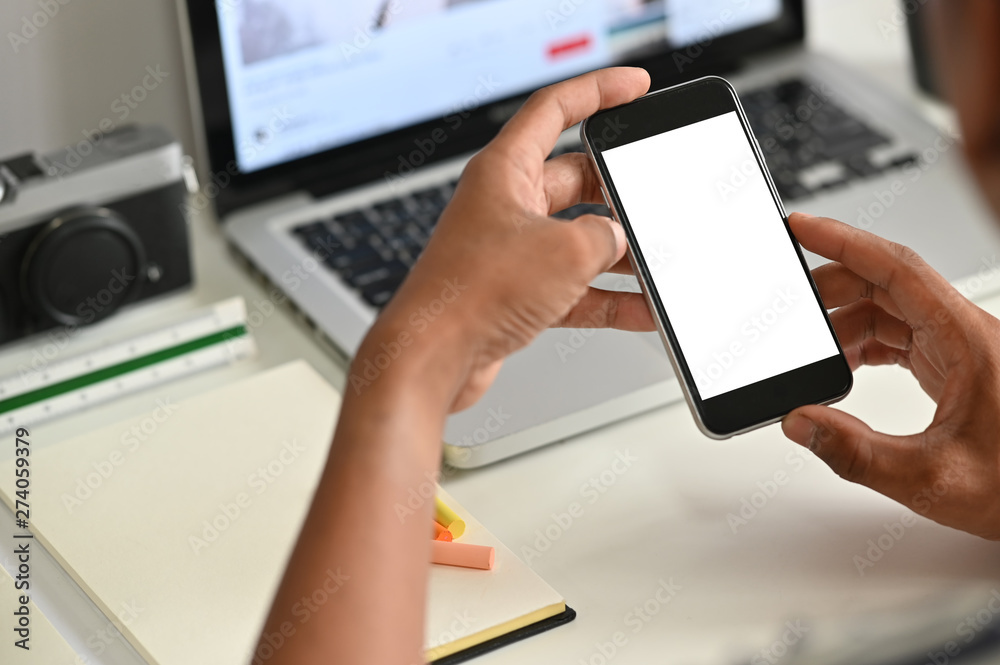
[760, 403]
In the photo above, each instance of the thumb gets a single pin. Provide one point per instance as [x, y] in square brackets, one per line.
[605, 239]
[856, 452]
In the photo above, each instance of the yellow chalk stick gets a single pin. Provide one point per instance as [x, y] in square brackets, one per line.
[447, 518]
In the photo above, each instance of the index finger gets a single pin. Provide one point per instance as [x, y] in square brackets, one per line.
[532, 133]
[919, 292]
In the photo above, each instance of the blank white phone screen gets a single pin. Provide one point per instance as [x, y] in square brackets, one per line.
[720, 258]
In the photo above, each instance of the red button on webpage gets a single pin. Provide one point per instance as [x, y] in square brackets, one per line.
[569, 46]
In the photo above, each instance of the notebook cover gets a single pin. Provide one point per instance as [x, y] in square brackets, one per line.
[516, 636]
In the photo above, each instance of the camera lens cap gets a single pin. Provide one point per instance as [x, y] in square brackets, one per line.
[83, 266]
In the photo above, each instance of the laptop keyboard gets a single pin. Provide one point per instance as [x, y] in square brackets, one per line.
[372, 249]
[812, 144]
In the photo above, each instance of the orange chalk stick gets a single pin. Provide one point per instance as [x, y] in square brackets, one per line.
[462, 554]
[441, 533]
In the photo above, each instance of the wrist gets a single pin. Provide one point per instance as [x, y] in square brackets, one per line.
[429, 358]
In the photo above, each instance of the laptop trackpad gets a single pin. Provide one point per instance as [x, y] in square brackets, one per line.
[563, 373]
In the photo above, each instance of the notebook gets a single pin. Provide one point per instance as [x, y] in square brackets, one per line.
[474, 611]
[195, 521]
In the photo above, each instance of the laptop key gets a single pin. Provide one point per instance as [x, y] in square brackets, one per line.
[425, 221]
[430, 201]
[390, 213]
[351, 220]
[812, 143]
[318, 238]
[380, 293]
[393, 270]
[862, 167]
[905, 160]
[354, 261]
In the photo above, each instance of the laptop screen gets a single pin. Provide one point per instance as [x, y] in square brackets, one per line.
[307, 76]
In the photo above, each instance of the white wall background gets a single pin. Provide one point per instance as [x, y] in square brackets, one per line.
[65, 79]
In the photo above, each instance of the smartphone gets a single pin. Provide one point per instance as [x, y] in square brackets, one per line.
[709, 241]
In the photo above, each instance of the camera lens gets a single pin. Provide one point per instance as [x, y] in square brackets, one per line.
[83, 266]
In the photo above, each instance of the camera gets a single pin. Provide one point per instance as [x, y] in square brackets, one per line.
[91, 228]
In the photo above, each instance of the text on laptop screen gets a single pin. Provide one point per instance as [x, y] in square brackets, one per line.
[305, 76]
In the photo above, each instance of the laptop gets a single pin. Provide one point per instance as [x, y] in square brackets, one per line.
[335, 132]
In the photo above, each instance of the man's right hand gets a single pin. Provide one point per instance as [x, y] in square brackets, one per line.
[892, 308]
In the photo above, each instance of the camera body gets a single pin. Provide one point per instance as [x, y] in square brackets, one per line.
[91, 228]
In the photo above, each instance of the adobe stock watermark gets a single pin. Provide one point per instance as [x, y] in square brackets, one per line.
[737, 178]
[122, 106]
[303, 610]
[496, 418]
[636, 619]
[711, 30]
[462, 624]
[417, 497]
[611, 130]
[33, 370]
[791, 637]
[788, 125]
[34, 23]
[364, 37]
[130, 442]
[591, 492]
[99, 641]
[656, 259]
[562, 12]
[95, 305]
[752, 332]
[883, 200]
[752, 505]
[966, 631]
[58, 339]
[371, 368]
[785, 129]
[983, 277]
[894, 532]
[259, 481]
[260, 310]
[897, 19]
[426, 146]
[280, 120]
[42, 355]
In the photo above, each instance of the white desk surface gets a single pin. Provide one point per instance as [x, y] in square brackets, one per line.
[659, 518]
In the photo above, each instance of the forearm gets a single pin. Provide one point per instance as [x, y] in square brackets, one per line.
[364, 524]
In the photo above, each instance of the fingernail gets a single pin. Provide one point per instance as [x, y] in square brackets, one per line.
[806, 215]
[799, 429]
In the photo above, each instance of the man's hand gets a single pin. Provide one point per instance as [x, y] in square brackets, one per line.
[892, 308]
[515, 270]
